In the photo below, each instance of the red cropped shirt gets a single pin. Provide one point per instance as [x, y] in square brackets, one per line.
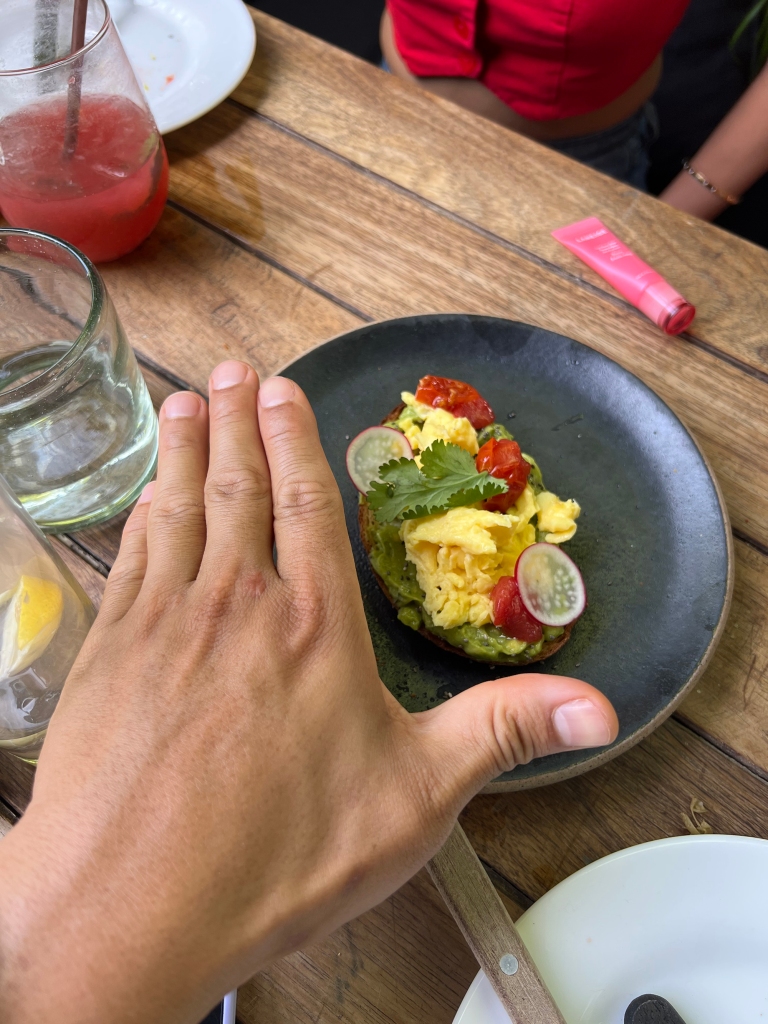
[544, 58]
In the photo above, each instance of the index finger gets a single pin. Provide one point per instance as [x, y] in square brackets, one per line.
[310, 531]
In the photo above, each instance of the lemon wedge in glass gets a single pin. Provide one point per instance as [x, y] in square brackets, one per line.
[31, 619]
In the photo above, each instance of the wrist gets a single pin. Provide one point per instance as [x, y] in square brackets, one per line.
[687, 195]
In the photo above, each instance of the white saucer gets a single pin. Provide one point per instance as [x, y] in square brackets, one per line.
[683, 918]
[188, 54]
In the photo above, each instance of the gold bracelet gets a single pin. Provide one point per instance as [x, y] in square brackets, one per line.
[732, 200]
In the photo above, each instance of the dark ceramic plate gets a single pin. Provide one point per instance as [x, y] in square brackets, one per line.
[653, 541]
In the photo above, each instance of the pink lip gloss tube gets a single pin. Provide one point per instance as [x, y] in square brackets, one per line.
[645, 288]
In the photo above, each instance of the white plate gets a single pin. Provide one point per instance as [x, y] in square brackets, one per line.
[188, 54]
[683, 918]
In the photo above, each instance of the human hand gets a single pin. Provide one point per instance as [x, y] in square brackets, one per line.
[226, 778]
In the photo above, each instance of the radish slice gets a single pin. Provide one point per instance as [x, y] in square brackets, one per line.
[550, 585]
[370, 450]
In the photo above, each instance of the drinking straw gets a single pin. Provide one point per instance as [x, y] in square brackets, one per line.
[79, 14]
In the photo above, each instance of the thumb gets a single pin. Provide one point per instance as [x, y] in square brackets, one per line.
[491, 728]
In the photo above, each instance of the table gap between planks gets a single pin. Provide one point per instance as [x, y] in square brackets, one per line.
[325, 194]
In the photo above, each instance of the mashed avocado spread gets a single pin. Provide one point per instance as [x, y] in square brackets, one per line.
[388, 557]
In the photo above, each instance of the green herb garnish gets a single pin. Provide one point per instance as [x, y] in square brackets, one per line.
[447, 479]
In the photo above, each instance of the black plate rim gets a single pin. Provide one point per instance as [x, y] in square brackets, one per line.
[601, 757]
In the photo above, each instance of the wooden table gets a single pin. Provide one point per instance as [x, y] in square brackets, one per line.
[325, 194]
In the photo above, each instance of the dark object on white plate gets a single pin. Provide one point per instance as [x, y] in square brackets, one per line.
[651, 1009]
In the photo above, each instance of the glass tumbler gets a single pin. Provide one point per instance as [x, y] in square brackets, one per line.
[44, 619]
[78, 433]
[80, 154]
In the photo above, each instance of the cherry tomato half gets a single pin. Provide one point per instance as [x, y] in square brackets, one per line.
[511, 615]
[504, 460]
[457, 397]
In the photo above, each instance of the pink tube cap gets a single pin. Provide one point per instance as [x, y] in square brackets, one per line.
[666, 307]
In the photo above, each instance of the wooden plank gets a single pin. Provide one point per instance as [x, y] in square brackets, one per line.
[538, 837]
[189, 298]
[730, 703]
[389, 256]
[502, 182]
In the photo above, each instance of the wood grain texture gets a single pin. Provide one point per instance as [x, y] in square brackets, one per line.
[502, 182]
[484, 922]
[730, 701]
[189, 298]
[389, 256]
[538, 837]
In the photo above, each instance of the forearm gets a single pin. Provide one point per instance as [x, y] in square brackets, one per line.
[734, 156]
[75, 949]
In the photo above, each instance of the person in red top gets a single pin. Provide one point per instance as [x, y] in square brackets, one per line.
[548, 60]
[577, 75]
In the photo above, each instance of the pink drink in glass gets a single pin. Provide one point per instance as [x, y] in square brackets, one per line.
[107, 196]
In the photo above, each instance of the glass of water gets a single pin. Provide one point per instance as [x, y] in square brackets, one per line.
[78, 433]
[44, 619]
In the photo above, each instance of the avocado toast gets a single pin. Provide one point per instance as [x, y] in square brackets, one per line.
[445, 526]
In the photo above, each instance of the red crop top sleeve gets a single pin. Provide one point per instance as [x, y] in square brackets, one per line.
[436, 38]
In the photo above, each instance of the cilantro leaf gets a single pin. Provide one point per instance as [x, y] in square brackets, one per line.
[448, 479]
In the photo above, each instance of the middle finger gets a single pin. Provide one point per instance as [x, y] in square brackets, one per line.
[238, 496]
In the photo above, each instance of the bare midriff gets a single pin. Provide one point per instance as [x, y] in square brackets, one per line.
[472, 94]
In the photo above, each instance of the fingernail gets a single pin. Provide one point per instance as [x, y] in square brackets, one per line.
[226, 375]
[580, 724]
[276, 391]
[182, 405]
[146, 494]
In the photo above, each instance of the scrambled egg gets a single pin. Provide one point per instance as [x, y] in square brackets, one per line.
[461, 554]
[557, 519]
[438, 425]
